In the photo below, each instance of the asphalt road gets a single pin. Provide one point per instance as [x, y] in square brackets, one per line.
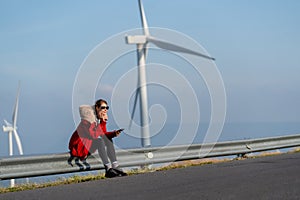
[275, 177]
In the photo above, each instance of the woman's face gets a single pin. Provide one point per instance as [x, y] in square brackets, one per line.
[102, 111]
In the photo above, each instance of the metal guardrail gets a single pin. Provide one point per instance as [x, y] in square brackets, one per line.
[52, 164]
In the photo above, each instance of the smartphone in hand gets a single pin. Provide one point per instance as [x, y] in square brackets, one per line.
[119, 131]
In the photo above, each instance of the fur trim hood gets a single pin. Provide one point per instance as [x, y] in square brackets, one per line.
[87, 112]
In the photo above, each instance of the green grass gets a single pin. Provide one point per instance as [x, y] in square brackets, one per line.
[93, 177]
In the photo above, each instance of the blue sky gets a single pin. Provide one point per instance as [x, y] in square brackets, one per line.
[43, 44]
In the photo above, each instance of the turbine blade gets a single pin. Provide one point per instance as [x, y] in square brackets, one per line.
[172, 47]
[15, 113]
[18, 141]
[6, 123]
[143, 18]
[137, 93]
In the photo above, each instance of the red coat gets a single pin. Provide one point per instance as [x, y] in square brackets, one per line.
[81, 141]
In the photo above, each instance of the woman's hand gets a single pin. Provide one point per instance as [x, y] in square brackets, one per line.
[104, 116]
[118, 131]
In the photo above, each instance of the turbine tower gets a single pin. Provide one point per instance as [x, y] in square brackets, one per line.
[12, 130]
[141, 42]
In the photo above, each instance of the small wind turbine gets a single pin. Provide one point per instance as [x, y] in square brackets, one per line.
[141, 42]
[12, 129]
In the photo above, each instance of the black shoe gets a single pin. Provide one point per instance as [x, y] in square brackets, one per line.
[111, 173]
[120, 171]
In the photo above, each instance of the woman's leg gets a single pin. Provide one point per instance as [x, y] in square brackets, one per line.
[100, 146]
[110, 149]
[112, 156]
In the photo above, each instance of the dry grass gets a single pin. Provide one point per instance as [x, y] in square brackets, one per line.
[60, 181]
[188, 163]
[296, 150]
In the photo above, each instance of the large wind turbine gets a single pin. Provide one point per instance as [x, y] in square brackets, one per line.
[141, 42]
[12, 129]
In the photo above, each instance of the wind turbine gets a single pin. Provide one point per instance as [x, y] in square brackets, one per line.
[12, 129]
[141, 42]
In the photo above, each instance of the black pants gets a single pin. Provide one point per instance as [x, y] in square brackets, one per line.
[106, 149]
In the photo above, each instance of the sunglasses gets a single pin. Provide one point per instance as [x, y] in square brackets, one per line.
[104, 107]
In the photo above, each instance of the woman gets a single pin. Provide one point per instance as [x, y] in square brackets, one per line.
[101, 109]
[87, 139]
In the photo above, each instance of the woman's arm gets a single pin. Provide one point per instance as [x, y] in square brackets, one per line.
[109, 134]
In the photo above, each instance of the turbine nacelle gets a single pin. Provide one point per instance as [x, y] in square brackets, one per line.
[136, 39]
[7, 128]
